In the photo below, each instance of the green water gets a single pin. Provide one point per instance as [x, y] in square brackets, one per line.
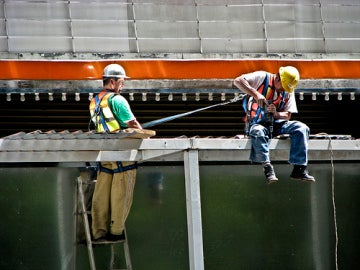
[246, 224]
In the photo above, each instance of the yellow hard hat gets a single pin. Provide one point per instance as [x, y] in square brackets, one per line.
[289, 77]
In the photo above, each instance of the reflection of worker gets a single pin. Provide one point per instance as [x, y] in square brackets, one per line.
[268, 111]
[114, 188]
[155, 184]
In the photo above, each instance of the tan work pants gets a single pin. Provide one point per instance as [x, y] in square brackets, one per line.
[112, 200]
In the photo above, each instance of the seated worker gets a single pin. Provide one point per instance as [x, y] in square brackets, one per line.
[115, 183]
[268, 110]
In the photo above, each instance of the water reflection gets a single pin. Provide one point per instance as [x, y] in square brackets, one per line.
[156, 186]
[246, 224]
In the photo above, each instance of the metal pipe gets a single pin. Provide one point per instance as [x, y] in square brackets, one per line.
[173, 117]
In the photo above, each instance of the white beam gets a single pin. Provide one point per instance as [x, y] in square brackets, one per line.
[193, 206]
[108, 149]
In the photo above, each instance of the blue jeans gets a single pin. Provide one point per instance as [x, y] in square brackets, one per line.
[299, 134]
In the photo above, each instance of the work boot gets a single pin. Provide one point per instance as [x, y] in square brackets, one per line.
[269, 173]
[300, 173]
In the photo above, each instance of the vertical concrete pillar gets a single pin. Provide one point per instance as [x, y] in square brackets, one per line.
[193, 209]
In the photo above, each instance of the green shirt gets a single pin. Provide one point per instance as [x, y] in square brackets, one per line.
[121, 110]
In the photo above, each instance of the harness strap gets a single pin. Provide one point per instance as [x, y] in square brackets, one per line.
[102, 118]
[97, 105]
[103, 122]
[259, 110]
[98, 112]
[122, 168]
[103, 169]
[282, 101]
[119, 169]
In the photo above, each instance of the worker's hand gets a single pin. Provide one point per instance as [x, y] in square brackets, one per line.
[260, 99]
[271, 108]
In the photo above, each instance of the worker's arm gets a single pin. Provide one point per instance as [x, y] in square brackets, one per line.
[133, 124]
[278, 115]
[241, 83]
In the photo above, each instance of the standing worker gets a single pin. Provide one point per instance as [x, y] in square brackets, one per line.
[268, 110]
[115, 184]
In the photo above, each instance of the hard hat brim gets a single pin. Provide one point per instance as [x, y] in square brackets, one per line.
[115, 76]
[287, 89]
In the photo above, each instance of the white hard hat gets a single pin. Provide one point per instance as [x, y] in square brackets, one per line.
[114, 71]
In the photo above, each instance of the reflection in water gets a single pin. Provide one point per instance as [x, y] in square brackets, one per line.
[246, 224]
[155, 184]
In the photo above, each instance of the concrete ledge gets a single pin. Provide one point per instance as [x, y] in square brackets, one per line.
[165, 86]
[162, 150]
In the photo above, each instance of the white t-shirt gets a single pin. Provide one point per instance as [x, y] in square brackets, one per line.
[255, 79]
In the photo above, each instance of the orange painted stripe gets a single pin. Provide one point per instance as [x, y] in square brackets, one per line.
[173, 69]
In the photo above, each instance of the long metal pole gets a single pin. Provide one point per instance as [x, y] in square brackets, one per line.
[170, 118]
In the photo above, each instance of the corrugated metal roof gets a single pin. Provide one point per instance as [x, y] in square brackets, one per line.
[66, 134]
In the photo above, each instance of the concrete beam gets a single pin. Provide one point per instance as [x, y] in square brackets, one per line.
[165, 86]
[162, 150]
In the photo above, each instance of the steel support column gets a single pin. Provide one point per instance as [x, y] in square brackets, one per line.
[193, 209]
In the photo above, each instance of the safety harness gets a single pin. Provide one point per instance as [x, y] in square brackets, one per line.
[105, 121]
[101, 113]
[255, 113]
[119, 169]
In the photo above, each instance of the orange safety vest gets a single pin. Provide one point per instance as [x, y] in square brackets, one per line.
[101, 113]
[254, 113]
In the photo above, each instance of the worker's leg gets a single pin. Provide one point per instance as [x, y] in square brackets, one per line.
[101, 202]
[299, 133]
[121, 198]
[259, 144]
[260, 137]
